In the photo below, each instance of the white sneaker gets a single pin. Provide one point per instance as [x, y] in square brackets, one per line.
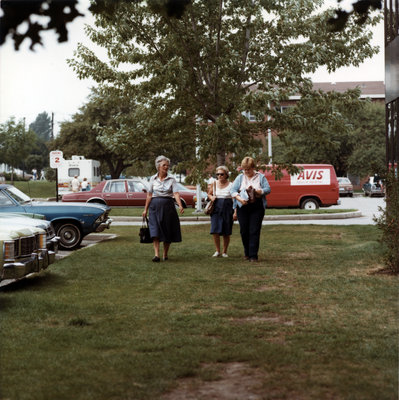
[224, 255]
[216, 254]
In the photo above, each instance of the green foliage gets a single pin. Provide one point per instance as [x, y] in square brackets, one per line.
[368, 156]
[15, 13]
[389, 223]
[15, 142]
[191, 78]
[338, 129]
[42, 126]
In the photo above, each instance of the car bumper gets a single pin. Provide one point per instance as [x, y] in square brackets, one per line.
[104, 225]
[19, 269]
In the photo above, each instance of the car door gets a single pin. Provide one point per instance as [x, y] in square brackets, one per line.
[137, 194]
[115, 194]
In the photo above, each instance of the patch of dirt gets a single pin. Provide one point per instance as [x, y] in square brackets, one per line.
[259, 318]
[235, 381]
[300, 255]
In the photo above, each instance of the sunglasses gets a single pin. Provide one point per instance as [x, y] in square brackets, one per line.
[218, 174]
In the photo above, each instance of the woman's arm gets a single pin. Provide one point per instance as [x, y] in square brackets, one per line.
[234, 190]
[147, 203]
[176, 195]
[264, 184]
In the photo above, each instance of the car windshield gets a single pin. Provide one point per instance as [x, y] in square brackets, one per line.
[17, 195]
[344, 180]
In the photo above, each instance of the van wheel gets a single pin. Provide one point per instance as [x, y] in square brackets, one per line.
[310, 204]
[70, 235]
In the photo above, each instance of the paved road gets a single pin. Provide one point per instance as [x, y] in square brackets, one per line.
[369, 207]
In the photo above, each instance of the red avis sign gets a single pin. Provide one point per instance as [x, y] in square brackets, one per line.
[312, 177]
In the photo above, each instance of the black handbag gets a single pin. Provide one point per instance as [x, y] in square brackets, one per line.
[144, 233]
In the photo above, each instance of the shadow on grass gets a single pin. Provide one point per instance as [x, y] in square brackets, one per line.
[35, 282]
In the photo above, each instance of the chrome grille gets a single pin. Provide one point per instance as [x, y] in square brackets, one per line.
[28, 245]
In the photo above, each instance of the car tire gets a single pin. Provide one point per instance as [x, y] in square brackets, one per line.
[70, 235]
[310, 204]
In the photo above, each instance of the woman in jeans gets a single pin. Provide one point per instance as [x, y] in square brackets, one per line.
[163, 221]
[249, 192]
[222, 215]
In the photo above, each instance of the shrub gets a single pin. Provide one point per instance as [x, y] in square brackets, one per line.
[388, 223]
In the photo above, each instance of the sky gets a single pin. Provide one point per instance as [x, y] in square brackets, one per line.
[32, 82]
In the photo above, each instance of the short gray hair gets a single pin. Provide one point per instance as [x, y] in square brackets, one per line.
[225, 169]
[159, 159]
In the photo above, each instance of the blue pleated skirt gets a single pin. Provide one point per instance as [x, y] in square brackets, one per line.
[163, 220]
[222, 217]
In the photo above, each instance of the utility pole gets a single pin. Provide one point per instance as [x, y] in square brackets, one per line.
[52, 126]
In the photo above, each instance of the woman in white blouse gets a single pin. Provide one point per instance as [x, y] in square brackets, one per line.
[222, 215]
[163, 221]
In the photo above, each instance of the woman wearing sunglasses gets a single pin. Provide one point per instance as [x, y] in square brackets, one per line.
[249, 191]
[222, 215]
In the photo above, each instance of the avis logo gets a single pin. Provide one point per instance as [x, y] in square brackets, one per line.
[310, 174]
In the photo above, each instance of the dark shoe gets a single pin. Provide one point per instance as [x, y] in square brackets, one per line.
[156, 259]
[165, 258]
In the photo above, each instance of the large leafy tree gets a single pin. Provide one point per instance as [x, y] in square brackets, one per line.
[42, 126]
[204, 66]
[109, 128]
[353, 139]
[15, 142]
[368, 156]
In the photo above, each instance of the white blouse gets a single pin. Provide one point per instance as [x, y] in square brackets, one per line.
[223, 193]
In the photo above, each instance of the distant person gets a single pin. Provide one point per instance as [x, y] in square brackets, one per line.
[85, 185]
[163, 221]
[42, 175]
[249, 191]
[34, 172]
[75, 184]
[222, 215]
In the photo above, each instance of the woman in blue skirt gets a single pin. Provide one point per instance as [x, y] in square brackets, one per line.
[163, 221]
[222, 215]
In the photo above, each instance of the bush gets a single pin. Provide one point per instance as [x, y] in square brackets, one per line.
[49, 173]
[388, 223]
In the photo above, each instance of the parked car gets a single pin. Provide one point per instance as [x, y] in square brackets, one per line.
[23, 251]
[124, 193]
[345, 186]
[314, 186]
[374, 188]
[35, 220]
[71, 221]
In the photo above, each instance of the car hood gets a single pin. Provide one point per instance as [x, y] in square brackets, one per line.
[82, 207]
[12, 220]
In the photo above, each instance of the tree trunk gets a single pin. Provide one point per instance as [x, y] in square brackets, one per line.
[221, 158]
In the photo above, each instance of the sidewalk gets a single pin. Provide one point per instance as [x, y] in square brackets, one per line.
[294, 217]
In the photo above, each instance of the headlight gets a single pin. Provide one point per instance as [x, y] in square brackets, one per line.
[9, 250]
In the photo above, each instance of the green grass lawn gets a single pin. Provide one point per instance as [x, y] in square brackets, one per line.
[310, 320]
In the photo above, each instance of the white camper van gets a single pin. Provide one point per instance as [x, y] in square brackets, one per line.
[80, 167]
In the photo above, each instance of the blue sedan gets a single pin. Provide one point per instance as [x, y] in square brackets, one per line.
[71, 221]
